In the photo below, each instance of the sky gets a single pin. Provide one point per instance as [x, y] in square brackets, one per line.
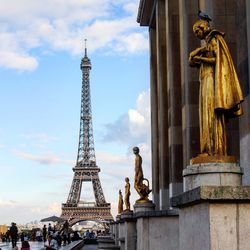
[41, 46]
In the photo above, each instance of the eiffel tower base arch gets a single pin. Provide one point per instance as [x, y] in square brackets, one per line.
[76, 214]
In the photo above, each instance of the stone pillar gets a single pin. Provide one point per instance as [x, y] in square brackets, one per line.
[157, 230]
[121, 233]
[129, 230]
[162, 104]
[243, 53]
[174, 95]
[212, 174]
[154, 117]
[189, 81]
[214, 218]
[106, 243]
[115, 232]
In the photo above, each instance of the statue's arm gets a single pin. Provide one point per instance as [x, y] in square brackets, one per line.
[193, 54]
[210, 60]
[204, 59]
[197, 51]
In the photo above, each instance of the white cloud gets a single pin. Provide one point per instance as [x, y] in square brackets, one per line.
[131, 7]
[74, 10]
[51, 209]
[62, 24]
[40, 137]
[131, 43]
[111, 159]
[54, 208]
[46, 159]
[11, 59]
[22, 213]
[133, 127]
[7, 203]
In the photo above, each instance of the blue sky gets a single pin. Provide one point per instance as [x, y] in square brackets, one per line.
[42, 43]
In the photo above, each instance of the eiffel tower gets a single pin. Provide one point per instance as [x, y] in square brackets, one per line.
[86, 169]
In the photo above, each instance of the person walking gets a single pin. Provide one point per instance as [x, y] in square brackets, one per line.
[13, 234]
[50, 230]
[44, 233]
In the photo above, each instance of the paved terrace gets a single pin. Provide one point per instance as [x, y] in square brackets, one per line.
[35, 245]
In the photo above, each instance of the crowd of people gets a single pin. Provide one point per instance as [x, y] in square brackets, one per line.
[53, 239]
[12, 236]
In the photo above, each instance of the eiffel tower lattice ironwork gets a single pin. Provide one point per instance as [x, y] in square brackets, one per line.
[86, 169]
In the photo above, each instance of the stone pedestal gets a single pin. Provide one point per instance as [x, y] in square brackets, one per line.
[127, 214]
[212, 174]
[114, 229]
[157, 230]
[107, 243]
[118, 217]
[214, 218]
[121, 234]
[129, 230]
[143, 207]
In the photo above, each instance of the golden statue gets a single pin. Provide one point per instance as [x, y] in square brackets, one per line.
[127, 194]
[220, 94]
[141, 188]
[120, 203]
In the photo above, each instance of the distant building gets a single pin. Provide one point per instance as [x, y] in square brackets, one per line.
[3, 229]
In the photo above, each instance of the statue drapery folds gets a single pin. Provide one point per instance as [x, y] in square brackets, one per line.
[220, 93]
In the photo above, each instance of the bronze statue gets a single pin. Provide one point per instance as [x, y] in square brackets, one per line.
[220, 94]
[120, 203]
[141, 188]
[127, 194]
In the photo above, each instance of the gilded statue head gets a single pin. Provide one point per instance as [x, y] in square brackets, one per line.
[136, 150]
[127, 179]
[201, 28]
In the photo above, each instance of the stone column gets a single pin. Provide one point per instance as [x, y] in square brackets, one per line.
[214, 218]
[189, 81]
[162, 104]
[243, 53]
[129, 230]
[154, 117]
[157, 230]
[121, 234]
[174, 94]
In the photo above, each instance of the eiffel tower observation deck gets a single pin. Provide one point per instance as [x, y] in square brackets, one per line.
[86, 170]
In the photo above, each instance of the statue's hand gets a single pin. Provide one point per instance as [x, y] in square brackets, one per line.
[198, 52]
[192, 62]
[197, 59]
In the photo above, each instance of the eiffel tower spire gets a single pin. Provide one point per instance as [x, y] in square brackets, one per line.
[86, 168]
[86, 150]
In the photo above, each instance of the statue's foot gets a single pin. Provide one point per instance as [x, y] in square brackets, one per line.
[206, 158]
[127, 211]
[143, 200]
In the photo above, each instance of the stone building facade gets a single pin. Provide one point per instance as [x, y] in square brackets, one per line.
[175, 86]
